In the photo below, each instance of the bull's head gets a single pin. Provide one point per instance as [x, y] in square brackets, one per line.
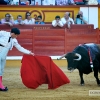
[72, 59]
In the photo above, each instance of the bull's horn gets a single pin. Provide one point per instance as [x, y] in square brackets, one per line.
[79, 56]
[61, 57]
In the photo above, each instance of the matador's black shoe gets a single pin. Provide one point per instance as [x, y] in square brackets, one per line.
[6, 89]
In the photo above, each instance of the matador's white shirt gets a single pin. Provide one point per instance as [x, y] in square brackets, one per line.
[4, 37]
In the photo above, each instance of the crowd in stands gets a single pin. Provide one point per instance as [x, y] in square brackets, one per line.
[9, 20]
[65, 20]
[50, 2]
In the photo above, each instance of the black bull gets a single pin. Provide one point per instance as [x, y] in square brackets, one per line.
[79, 59]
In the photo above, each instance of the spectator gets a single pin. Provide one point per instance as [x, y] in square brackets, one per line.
[65, 2]
[85, 2]
[92, 2]
[67, 20]
[32, 2]
[8, 19]
[80, 2]
[57, 22]
[4, 2]
[80, 19]
[11, 2]
[23, 1]
[39, 20]
[19, 20]
[98, 2]
[47, 2]
[35, 17]
[28, 19]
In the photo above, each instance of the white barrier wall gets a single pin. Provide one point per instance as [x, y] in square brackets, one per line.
[91, 13]
[93, 16]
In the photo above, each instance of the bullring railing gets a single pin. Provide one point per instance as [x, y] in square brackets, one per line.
[51, 41]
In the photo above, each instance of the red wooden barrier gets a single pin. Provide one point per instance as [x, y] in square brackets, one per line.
[47, 40]
[83, 26]
[74, 37]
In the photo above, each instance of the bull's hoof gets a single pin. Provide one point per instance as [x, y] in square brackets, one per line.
[98, 84]
[82, 84]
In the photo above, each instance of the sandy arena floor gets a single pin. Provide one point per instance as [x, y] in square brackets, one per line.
[72, 91]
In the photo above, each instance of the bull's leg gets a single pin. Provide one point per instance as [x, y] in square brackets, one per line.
[96, 76]
[81, 78]
[96, 70]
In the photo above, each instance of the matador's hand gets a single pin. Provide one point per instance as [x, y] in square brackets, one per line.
[31, 53]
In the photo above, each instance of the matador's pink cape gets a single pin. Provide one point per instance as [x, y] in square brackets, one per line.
[37, 70]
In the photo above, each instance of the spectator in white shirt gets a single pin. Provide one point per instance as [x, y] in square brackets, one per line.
[57, 22]
[66, 20]
[28, 19]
